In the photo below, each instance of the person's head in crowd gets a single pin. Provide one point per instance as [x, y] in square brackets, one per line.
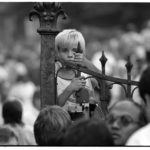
[144, 90]
[50, 125]
[90, 132]
[12, 112]
[4, 84]
[139, 58]
[124, 118]
[66, 43]
[22, 72]
[8, 136]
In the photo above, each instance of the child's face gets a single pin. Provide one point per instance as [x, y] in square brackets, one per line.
[68, 53]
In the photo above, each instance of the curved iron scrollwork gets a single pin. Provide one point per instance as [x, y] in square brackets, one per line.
[134, 90]
[125, 83]
[122, 85]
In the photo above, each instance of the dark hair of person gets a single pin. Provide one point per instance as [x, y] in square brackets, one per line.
[142, 116]
[50, 125]
[12, 112]
[90, 132]
[148, 55]
[144, 83]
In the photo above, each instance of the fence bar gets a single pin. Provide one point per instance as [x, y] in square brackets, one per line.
[47, 14]
[101, 76]
[129, 68]
[103, 94]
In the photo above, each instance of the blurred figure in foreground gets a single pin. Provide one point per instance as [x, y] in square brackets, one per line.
[8, 136]
[123, 119]
[141, 137]
[24, 89]
[50, 125]
[12, 115]
[88, 133]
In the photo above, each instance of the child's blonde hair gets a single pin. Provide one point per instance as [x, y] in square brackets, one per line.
[69, 37]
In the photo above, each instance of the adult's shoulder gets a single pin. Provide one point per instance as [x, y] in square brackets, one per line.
[140, 137]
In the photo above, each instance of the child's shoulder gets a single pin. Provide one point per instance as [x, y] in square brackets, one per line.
[57, 66]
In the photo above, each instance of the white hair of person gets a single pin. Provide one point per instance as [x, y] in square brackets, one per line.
[68, 38]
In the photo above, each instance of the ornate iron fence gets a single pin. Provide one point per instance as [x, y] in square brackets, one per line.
[126, 84]
[48, 14]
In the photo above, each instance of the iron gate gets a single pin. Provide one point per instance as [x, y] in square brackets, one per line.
[48, 14]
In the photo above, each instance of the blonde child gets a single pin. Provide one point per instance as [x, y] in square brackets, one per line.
[66, 43]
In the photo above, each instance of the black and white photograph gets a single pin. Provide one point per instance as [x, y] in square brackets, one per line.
[74, 74]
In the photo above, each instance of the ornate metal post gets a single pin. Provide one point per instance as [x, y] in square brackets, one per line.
[47, 14]
[103, 87]
[129, 68]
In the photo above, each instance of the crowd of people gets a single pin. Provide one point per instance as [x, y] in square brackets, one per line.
[78, 119]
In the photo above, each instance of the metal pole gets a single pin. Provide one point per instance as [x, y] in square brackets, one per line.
[47, 14]
[103, 93]
[129, 68]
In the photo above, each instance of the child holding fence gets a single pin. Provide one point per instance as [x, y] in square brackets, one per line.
[68, 84]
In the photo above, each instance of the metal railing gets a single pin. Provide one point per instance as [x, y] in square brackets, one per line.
[126, 84]
[48, 14]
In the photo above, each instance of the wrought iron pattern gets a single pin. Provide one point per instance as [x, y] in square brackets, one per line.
[101, 77]
[47, 14]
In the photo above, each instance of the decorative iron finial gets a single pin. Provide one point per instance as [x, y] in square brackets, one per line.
[129, 65]
[47, 12]
[103, 59]
[79, 49]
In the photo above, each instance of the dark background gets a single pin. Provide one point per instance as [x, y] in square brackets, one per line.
[98, 15]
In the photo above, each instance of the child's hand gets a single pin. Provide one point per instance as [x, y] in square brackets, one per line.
[77, 83]
[79, 58]
[93, 100]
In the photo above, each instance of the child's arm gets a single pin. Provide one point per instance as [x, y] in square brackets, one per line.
[91, 66]
[63, 97]
[83, 61]
[74, 86]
